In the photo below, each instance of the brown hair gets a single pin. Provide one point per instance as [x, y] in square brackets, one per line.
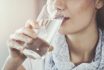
[100, 17]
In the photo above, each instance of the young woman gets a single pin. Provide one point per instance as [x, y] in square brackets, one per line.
[80, 41]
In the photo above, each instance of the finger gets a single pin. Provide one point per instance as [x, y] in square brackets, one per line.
[21, 37]
[14, 44]
[30, 33]
[31, 24]
[40, 22]
[43, 22]
[47, 23]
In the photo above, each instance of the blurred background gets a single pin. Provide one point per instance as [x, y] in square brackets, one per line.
[13, 15]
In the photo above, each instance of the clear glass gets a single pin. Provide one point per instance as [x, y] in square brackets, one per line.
[39, 47]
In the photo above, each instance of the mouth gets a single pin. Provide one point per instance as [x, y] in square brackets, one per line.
[65, 19]
[58, 16]
[61, 16]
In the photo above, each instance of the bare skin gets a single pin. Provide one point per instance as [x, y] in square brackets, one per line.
[82, 50]
[81, 34]
[80, 29]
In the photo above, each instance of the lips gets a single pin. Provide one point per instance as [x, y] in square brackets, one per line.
[65, 19]
[61, 16]
[58, 16]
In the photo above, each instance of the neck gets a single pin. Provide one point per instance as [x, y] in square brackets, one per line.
[84, 42]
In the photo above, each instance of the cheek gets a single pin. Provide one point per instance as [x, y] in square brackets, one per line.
[83, 6]
[81, 15]
[84, 12]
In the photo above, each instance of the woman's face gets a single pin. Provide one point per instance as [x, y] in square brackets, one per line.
[79, 14]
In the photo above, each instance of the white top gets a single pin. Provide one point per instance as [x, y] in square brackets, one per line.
[31, 64]
[59, 59]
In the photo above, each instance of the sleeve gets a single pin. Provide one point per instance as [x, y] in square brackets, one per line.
[27, 64]
[31, 64]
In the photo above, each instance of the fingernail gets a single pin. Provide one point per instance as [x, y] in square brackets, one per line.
[50, 49]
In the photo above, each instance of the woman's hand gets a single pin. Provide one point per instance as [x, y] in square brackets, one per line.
[26, 37]
[23, 35]
[16, 44]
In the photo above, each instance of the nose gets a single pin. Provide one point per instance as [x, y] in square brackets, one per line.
[59, 5]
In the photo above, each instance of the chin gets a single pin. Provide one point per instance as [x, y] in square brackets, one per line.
[64, 32]
[69, 31]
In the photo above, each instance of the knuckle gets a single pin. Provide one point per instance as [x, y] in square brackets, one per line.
[19, 30]
[13, 44]
[10, 43]
[30, 24]
[13, 36]
[35, 31]
[30, 40]
[30, 33]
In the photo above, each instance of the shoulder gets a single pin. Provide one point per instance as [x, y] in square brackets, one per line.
[102, 49]
[102, 32]
[101, 35]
